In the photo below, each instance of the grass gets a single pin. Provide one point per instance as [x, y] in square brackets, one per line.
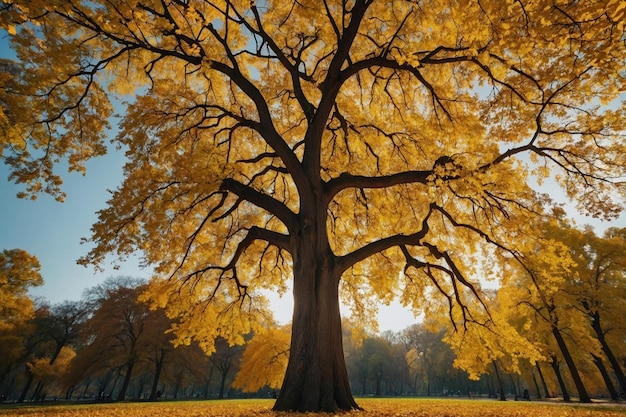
[373, 407]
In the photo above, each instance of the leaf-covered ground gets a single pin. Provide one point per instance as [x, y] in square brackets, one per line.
[372, 408]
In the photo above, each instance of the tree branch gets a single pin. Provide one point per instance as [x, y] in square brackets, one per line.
[264, 201]
[346, 261]
[345, 181]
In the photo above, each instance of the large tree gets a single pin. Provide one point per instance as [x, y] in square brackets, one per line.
[375, 144]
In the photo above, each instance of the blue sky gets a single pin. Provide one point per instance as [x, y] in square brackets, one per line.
[52, 231]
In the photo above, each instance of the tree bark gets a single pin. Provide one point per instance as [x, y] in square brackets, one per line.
[316, 378]
[578, 382]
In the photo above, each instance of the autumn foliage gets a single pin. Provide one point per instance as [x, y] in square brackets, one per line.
[356, 149]
[373, 408]
[19, 270]
[264, 361]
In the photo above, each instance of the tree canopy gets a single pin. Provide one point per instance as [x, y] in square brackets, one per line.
[357, 148]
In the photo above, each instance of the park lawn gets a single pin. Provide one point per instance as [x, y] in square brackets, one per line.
[373, 407]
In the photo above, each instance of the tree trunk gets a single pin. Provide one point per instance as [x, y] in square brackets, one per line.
[129, 370]
[69, 392]
[607, 378]
[29, 382]
[316, 378]
[619, 372]
[84, 394]
[160, 359]
[377, 379]
[515, 393]
[37, 392]
[543, 380]
[207, 390]
[363, 386]
[555, 366]
[536, 385]
[500, 384]
[491, 391]
[223, 375]
[578, 382]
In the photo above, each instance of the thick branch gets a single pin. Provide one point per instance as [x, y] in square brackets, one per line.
[265, 126]
[346, 261]
[257, 233]
[345, 181]
[264, 201]
[330, 87]
[428, 268]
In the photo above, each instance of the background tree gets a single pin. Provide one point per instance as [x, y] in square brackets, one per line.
[159, 346]
[14, 349]
[49, 374]
[38, 348]
[428, 358]
[376, 356]
[330, 144]
[264, 360]
[598, 283]
[117, 328]
[225, 361]
[502, 347]
[538, 289]
[59, 329]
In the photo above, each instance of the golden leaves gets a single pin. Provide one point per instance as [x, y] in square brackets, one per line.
[19, 271]
[265, 360]
[42, 368]
[373, 407]
[203, 313]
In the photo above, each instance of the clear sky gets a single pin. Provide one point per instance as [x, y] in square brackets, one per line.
[52, 231]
